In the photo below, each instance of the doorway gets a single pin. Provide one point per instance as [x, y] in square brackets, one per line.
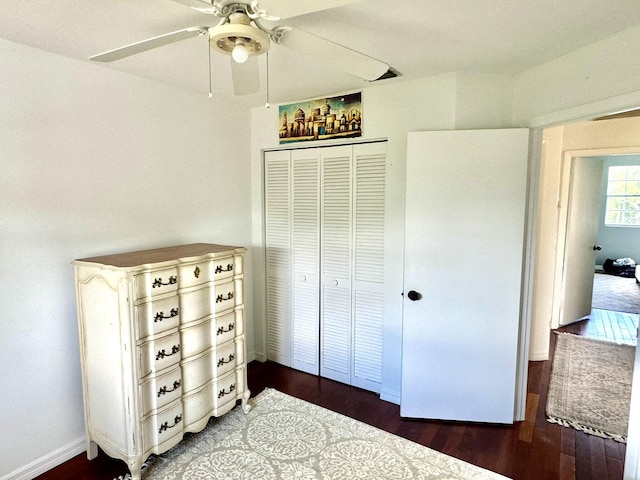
[600, 246]
[584, 139]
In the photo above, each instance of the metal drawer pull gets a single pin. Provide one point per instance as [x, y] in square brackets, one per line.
[222, 361]
[166, 426]
[162, 353]
[164, 390]
[160, 315]
[158, 281]
[196, 272]
[219, 268]
[223, 392]
[222, 330]
[220, 297]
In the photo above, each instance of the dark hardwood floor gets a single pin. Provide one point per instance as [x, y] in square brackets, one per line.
[530, 450]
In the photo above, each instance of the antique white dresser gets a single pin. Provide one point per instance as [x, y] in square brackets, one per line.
[162, 344]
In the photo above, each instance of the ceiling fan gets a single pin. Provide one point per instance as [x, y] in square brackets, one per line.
[241, 32]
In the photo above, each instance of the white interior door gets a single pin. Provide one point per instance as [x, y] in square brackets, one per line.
[583, 221]
[464, 232]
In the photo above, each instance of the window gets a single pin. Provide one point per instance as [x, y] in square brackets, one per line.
[623, 196]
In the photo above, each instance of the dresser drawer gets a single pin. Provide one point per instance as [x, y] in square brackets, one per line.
[161, 427]
[161, 390]
[228, 388]
[149, 284]
[216, 331]
[198, 405]
[206, 271]
[215, 398]
[227, 357]
[159, 353]
[198, 371]
[195, 274]
[224, 268]
[199, 303]
[157, 316]
[229, 325]
[214, 363]
[226, 296]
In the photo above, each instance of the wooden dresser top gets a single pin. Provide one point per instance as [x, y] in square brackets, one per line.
[159, 255]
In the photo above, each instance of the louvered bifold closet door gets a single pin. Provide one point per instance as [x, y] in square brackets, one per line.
[278, 248]
[369, 162]
[325, 224]
[336, 264]
[305, 238]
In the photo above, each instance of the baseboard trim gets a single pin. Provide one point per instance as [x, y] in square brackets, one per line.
[390, 396]
[260, 357]
[539, 355]
[49, 461]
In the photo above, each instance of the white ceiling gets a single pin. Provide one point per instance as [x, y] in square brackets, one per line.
[416, 37]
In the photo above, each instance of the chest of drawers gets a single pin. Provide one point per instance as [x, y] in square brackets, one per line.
[162, 346]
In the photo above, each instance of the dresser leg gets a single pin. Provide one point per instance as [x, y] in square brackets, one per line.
[246, 408]
[92, 450]
[135, 467]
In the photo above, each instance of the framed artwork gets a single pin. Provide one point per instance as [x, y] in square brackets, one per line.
[321, 119]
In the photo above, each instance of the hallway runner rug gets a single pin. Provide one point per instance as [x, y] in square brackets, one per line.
[285, 438]
[590, 387]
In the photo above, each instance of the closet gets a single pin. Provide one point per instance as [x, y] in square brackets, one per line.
[324, 237]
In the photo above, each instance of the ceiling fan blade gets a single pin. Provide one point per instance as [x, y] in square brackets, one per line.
[148, 44]
[288, 8]
[246, 77]
[195, 3]
[344, 58]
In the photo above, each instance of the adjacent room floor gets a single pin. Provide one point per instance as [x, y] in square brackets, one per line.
[619, 327]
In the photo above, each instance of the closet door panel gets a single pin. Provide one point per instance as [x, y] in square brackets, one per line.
[336, 264]
[336, 333]
[278, 249]
[368, 209]
[305, 239]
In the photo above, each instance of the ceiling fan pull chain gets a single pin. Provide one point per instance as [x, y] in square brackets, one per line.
[267, 105]
[210, 86]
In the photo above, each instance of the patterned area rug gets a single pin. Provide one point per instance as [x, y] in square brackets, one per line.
[590, 387]
[287, 438]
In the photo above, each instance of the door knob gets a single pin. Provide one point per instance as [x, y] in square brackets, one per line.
[413, 295]
[597, 247]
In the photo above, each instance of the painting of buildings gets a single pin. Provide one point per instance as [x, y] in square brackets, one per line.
[336, 117]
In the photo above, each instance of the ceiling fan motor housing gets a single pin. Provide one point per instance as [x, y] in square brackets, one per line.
[225, 37]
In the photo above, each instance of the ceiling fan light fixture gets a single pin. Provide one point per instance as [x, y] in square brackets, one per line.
[240, 54]
[225, 38]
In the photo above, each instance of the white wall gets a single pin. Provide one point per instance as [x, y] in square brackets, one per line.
[390, 110]
[93, 161]
[597, 79]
